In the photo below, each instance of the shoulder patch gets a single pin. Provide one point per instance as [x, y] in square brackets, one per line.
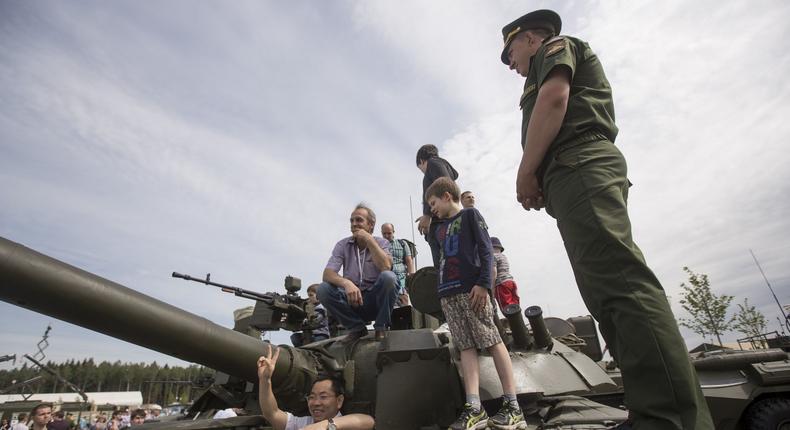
[554, 46]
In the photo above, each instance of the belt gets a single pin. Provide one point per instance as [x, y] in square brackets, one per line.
[556, 148]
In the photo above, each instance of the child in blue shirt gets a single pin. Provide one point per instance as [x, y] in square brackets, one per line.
[465, 278]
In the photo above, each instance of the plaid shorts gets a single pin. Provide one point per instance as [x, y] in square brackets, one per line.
[469, 329]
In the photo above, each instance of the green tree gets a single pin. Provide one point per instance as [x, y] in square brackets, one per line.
[749, 320]
[708, 311]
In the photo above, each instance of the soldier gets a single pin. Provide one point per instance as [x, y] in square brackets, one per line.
[571, 165]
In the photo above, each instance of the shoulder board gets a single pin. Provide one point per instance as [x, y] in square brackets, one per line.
[554, 45]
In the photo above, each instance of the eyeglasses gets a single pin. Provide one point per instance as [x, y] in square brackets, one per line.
[322, 398]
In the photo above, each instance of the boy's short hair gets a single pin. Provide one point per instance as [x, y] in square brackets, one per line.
[138, 413]
[22, 417]
[58, 414]
[313, 288]
[443, 185]
[426, 152]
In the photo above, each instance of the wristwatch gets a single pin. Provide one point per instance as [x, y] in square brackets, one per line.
[331, 425]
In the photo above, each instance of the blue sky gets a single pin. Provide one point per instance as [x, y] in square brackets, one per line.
[235, 138]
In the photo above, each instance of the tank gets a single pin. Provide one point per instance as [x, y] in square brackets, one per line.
[410, 380]
[746, 389]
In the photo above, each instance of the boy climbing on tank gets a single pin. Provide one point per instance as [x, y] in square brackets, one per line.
[465, 277]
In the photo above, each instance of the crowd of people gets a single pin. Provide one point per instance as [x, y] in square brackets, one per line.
[44, 417]
[570, 167]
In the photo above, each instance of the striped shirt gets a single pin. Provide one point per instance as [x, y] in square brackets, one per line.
[502, 268]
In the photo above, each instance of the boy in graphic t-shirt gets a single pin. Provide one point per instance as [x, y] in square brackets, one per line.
[464, 281]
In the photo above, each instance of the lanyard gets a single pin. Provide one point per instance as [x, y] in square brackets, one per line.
[360, 258]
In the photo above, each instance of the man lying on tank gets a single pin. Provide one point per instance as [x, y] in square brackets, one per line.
[324, 403]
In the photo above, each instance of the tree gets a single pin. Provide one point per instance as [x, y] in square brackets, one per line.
[749, 320]
[708, 311]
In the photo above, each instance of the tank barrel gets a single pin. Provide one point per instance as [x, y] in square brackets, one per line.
[43, 284]
[521, 337]
[542, 336]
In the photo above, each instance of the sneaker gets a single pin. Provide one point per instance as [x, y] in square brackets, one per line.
[509, 417]
[470, 419]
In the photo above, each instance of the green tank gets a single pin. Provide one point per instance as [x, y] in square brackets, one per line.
[746, 389]
[410, 380]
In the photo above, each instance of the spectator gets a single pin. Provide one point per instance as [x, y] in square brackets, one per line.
[155, 411]
[58, 422]
[41, 415]
[367, 289]
[101, 423]
[324, 403]
[319, 320]
[464, 282]
[505, 289]
[228, 413]
[402, 260]
[4, 424]
[116, 422]
[21, 423]
[433, 167]
[136, 418]
[467, 199]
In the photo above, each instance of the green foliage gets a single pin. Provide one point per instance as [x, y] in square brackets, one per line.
[749, 320]
[708, 311]
[162, 385]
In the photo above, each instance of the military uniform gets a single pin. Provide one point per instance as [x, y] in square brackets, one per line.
[583, 178]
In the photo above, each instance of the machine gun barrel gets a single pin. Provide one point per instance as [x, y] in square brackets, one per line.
[43, 284]
[241, 292]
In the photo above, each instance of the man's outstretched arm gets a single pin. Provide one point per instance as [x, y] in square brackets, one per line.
[269, 409]
[346, 422]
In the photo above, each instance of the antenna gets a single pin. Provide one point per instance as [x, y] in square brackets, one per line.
[781, 309]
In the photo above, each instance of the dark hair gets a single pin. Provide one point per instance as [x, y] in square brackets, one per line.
[313, 287]
[59, 414]
[426, 152]
[35, 409]
[443, 185]
[138, 413]
[337, 384]
[22, 417]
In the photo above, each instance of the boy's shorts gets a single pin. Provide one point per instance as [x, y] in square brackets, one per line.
[470, 329]
[506, 293]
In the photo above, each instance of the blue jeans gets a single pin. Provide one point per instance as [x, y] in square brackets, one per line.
[377, 303]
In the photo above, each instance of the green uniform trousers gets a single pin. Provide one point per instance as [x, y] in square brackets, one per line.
[586, 190]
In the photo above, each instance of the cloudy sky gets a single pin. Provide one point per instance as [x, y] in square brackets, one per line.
[139, 138]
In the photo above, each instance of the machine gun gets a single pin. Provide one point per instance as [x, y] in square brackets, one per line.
[272, 311]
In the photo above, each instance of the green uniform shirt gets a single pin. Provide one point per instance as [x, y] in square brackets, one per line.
[590, 114]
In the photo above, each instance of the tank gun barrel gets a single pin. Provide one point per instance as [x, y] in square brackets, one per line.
[43, 284]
